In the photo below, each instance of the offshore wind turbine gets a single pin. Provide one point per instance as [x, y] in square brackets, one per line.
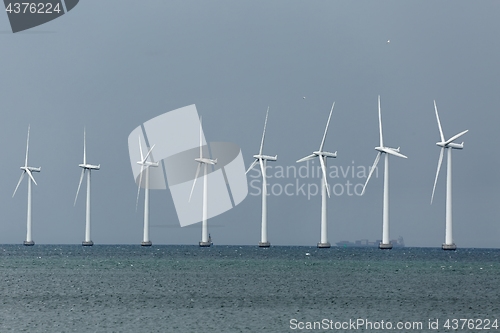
[29, 171]
[449, 145]
[386, 243]
[323, 155]
[262, 160]
[85, 166]
[145, 165]
[205, 241]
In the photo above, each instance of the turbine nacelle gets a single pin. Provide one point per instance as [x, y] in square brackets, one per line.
[317, 154]
[384, 149]
[32, 169]
[450, 145]
[148, 164]
[325, 153]
[390, 151]
[206, 160]
[89, 166]
[266, 157]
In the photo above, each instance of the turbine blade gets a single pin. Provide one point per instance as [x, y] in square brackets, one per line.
[147, 155]
[439, 122]
[263, 170]
[453, 138]
[380, 123]
[18, 183]
[437, 172]
[252, 165]
[140, 149]
[27, 147]
[79, 184]
[28, 171]
[194, 181]
[308, 157]
[326, 129]
[323, 169]
[84, 148]
[264, 133]
[139, 187]
[371, 171]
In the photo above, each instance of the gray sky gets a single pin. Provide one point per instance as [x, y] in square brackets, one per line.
[112, 65]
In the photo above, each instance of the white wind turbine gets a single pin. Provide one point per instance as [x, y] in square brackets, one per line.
[447, 144]
[205, 241]
[145, 165]
[386, 243]
[85, 166]
[28, 170]
[262, 160]
[322, 155]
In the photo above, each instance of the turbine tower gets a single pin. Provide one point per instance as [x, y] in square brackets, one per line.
[386, 243]
[323, 155]
[262, 160]
[449, 145]
[29, 171]
[85, 166]
[145, 165]
[205, 239]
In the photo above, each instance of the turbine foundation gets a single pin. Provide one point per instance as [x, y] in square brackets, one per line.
[383, 246]
[449, 247]
[89, 243]
[264, 244]
[205, 244]
[148, 243]
[30, 243]
[324, 245]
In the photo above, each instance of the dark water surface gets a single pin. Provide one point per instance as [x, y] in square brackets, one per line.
[69, 288]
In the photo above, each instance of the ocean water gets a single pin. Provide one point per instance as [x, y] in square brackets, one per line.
[70, 288]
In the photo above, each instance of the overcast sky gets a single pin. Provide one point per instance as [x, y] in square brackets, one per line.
[112, 65]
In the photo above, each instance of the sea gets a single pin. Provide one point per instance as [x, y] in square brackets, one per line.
[129, 288]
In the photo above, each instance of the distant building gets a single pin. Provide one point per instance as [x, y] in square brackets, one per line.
[366, 243]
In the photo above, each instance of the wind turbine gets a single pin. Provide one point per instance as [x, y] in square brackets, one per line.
[323, 155]
[145, 165]
[447, 144]
[205, 240]
[29, 171]
[262, 160]
[85, 166]
[386, 243]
